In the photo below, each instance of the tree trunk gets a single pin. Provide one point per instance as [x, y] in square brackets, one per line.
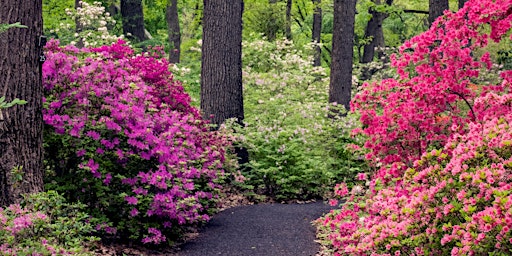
[288, 28]
[342, 52]
[461, 3]
[436, 9]
[317, 32]
[78, 25]
[21, 127]
[221, 64]
[173, 25]
[133, 19]
[221, 70]
[374, 31]
[271, 32]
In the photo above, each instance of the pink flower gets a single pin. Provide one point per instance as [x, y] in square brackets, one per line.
[361, 176]
[134, 212]
[131, 200]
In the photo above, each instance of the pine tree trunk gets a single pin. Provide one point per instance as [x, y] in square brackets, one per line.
[342, 52]
[21, 127]
[317, 32]
[436, 9]
[133, 19]
[173, 24]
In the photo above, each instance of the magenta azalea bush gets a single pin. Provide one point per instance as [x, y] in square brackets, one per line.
[122, 137]
[441, 144]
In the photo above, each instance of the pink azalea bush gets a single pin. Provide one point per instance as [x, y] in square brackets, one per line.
[44, 224]
[441, 144]
[122, 137]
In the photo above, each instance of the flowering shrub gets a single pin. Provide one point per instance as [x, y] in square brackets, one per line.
[122, 137]
[442, 146]
[436, 89]
[44, 225]
[295, 150]
[93, 19]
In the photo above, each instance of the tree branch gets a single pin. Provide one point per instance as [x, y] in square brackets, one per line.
[465, 100]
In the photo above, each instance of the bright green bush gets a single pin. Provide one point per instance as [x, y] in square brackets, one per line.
[295, 150]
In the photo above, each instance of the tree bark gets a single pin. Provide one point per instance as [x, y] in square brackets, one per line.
[133, 19]
[78, 25]
[342, 52]
[271, 31]
[317, 32]
[173, 24]
[221, 64]
[21, 136]
[288, 28]
[374, 31]
[221, 69]
[436, 9]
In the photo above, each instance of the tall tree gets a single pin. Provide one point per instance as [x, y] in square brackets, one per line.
[78, 25]
[342, 52]
[288, 21]
[221, 64]
[21, 136]
[317, 32]
[133, 19]
[436, 9]
[272, 28]
[374, 32]
[221, 69]
[173, 25]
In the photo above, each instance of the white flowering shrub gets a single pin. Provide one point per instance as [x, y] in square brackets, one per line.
[93, 21]
[295, 150]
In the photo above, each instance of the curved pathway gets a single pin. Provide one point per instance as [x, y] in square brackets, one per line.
[259, 230]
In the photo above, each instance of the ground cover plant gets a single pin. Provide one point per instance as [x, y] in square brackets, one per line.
[440, 141]
[122, 137]
[45, 224]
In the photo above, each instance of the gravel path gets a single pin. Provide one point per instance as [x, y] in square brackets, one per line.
[259, 230]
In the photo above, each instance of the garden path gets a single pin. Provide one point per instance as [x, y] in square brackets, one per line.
[259, 230]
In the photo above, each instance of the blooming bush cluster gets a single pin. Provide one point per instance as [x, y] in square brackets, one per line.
[440, 141]
[93, 21]
[44, 224]
[295, 150]
[122, 138]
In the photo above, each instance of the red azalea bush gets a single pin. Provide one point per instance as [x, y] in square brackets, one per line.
[423, 201]
[122, 137]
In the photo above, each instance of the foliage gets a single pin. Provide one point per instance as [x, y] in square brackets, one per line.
[5, 27]
[94, 22]
[423, 201]
[265, 18]
[45, 224]
[4, 104]
[122, 138]
[295, 150]
[189, 72]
